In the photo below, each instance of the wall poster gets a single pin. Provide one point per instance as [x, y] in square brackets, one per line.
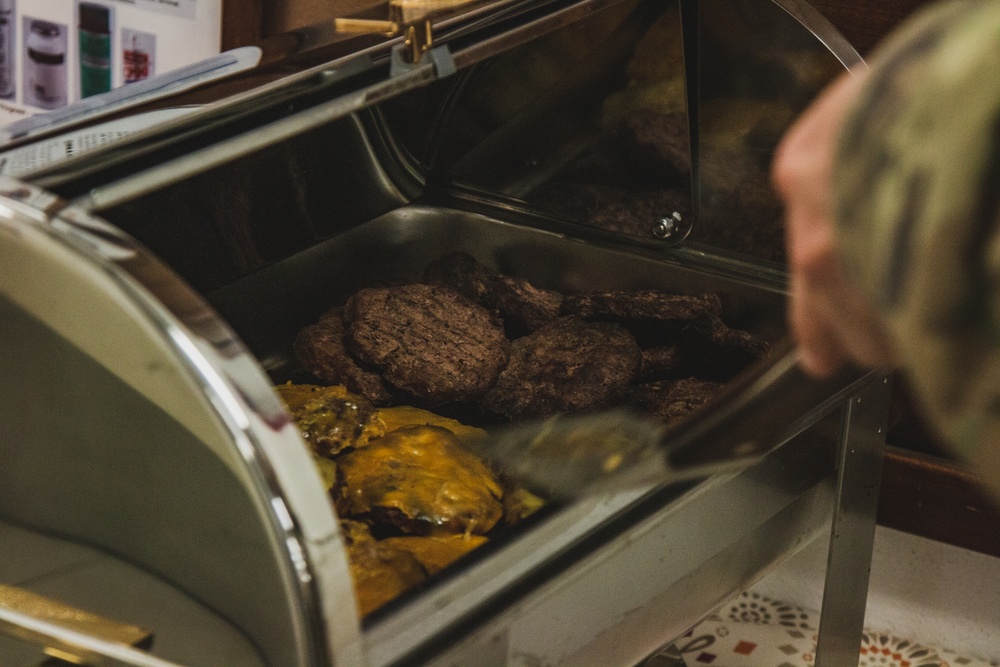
[57, 52]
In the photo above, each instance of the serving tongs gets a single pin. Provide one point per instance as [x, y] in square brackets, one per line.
[569, 456]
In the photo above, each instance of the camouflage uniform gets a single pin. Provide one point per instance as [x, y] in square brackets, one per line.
[918, 181]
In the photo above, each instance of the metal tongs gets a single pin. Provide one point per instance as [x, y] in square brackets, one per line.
[569, 456]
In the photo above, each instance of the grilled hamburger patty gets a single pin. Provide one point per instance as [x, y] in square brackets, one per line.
[331, 419]
[638, 305]
[721, 351]
[671, 401]
[522, 306]
[321, 349]
[568, 365]
[461, 272]
[429, 341]
[659, 362]
[422, 480]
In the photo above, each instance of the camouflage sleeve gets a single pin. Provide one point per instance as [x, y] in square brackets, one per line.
[917, 202]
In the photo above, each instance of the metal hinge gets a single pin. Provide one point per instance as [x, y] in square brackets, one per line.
[410, 19]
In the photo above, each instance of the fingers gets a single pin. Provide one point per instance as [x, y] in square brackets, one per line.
[830, 320]
[805, 154]
[819, 353]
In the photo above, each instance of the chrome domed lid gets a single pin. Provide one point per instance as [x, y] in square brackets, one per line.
[136, 422]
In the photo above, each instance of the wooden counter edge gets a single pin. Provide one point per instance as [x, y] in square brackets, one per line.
[938, 499]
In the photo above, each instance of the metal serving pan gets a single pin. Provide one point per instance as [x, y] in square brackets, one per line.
[689, 546]
[151, 295]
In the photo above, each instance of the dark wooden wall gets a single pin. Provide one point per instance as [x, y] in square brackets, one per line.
[246, 22]
[241, 22]
[283, 15]
[865, 22]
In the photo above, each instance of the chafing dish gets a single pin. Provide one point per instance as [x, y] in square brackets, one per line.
[152, 289]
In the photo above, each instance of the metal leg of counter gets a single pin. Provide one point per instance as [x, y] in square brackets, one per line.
[852, 538]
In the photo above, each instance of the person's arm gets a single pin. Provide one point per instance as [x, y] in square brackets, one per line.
[892, 184]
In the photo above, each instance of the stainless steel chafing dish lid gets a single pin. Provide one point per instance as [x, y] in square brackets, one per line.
[142, 444]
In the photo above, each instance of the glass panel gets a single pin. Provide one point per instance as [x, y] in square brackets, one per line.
[589, 123]
[759, 68]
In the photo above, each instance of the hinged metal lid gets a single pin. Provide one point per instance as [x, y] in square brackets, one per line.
[631, 121]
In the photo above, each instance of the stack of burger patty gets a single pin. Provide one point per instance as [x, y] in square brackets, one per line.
[495, 344]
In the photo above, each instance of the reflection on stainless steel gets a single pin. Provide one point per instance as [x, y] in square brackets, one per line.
[186, 630]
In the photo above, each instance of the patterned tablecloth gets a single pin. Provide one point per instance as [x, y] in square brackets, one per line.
[756, 631]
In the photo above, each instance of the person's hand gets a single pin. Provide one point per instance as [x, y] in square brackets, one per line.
[830, 320]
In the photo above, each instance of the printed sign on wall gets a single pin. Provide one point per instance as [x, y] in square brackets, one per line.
[55, 52]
